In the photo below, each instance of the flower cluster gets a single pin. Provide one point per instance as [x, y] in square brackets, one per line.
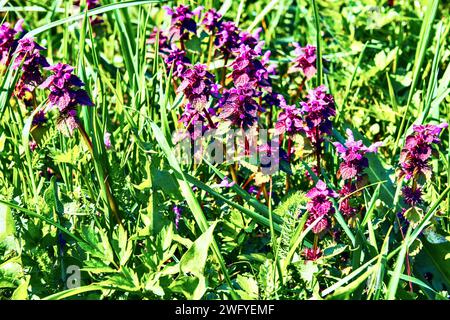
[177, 60]
[305, 60]
[197, 85]
[353, 157]
[414, 162]
[7, 42]
[239, 108]
[320, 207]
[211, 20]
[227, 38]
[290, 120]
[65, 94]
[351, 169]
[416, 153]
[317, 110]
[182, 22]
[248, 70]
[30, 60]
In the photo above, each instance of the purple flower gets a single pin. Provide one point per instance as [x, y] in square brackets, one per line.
[415, 154]
[238, 106]
[312, 254]
[182, 21]
[290, 119]
[352, 153]
[227, 38]
[318, 110]
[39, 118]
[305, 60]
[107, 140]
[30, 60]
[177, 58]
[319, 207]
[345, 206]
[163, 41]
[225, 183]
[7, 43]
[33, 145]
[68, 122]
[177, 211]
[412, 197]
[211, 20]
[195, 121]
[251, 40]
[248, 70]
[197, 85]
[64, 88]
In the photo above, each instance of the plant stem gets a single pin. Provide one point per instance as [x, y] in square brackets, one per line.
[111, 201]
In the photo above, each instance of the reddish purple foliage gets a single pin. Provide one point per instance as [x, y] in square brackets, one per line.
[320, 207]
[317, 110]
[305, 60]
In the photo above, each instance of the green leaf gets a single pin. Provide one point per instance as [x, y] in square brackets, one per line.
[7, 227]
[194, 259]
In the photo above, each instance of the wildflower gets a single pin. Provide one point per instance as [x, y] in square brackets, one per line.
[352, 153]
[211, 20]
[177, 60]
[238, 106]
[227, 38]
[182, 21]
[317, 110]
[39, 118]
[305, 60]
[345, 205]
[251, 40]
[312, 254]
[320, 207]
[248, 70]
[195, 121]
[163, 41]
[415, 154]
[30, 60]
[33, 145]
[289, 120]
[197, 85]
[68, 122]
[412, 197]
[177, 211]
[64, 88]
[107, 140]
[7, 43]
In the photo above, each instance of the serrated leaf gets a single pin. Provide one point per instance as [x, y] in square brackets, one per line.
[414, 215]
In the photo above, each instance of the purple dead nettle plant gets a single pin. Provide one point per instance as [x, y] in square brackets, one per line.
[65, 95]
[317, 113]
[320, 211]
[351, 171]
[289, 123]
[198, 86]
[7, 40]
[415, 167]
[182, 23]
[305, 60]
[30, 61]
[211, 20]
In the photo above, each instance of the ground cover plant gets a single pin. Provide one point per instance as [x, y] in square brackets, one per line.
[283, 149]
